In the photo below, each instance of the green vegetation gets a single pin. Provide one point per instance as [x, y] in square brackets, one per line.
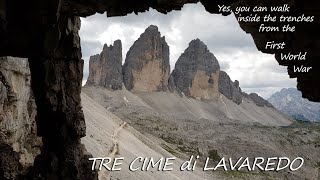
[245, 174]
[304, 124]
[213, 154]
[9, 133]
[169, 149]
[189, 150]
[28, 147]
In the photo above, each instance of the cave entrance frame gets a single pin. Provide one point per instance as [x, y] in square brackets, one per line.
[51, 42]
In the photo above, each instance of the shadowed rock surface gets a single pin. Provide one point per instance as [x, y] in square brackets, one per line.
[171, 85]
[106, 69]
[56, 83]
[10, 167]
[229, 89]
[259, 101]
[196, 72]
[147, 67]
[18, 131]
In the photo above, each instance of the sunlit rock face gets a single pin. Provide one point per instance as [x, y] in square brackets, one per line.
[147, 67]
[105, 69]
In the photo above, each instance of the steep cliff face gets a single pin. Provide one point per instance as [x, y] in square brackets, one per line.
[106, 69]
[18, 110]
[56, 82]
[229, 89]
[196, 72]
[147, 67]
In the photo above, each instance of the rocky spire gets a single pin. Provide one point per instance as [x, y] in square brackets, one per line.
[106, 69]
[196, 72]
[147, 67]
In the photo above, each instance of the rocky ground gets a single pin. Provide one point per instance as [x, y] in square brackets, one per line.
[102, 125]
[216, 134]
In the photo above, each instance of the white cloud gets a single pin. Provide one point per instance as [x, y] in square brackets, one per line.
[234, 49]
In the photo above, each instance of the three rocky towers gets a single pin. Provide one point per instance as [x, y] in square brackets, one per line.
[197, 72]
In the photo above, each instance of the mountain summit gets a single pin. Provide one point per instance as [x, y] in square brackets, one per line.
[290, 102]
[147, 67]
[196, 72]
[105, 69]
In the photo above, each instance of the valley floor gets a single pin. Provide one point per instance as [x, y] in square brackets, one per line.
[130, 125]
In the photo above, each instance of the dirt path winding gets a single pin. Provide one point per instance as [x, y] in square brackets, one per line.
[114, 150]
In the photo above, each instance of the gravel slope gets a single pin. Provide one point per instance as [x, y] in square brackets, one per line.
[101, 125]
[160, 124]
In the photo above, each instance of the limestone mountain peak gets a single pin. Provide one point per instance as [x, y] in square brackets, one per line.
[151, 31]
[196, 72]
[152, 28]
[199, 45]
[200, 55]
[197, 42]
[116, 44]
[147, 67]
[105, 69]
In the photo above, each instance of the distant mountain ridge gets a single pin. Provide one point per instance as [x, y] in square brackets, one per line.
[290, 102]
